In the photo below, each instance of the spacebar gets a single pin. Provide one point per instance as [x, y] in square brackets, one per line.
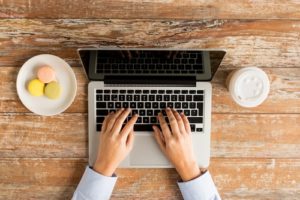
[142, 127]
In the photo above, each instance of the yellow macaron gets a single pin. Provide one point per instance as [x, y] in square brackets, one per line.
[53, 90]
[36, 87]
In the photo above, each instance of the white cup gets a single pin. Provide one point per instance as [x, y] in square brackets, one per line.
[248, 86]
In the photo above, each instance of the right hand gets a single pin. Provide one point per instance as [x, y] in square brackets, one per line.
[177, 143]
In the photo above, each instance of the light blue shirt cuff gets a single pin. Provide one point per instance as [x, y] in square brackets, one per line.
[201, 188]
[94, 186]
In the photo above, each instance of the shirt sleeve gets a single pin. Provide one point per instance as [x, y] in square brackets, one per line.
[201, 188]
[94, 186]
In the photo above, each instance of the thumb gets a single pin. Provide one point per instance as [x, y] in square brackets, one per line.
[130, 140]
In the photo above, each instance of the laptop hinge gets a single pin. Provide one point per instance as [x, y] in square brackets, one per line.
[189, 81]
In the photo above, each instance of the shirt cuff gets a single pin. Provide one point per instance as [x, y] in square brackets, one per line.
[201, 188]
[94, 186]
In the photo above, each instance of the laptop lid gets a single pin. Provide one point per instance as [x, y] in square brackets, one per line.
[152, 66]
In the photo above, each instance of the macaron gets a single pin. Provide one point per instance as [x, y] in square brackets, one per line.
[46, 74]
[53, 90]
[36, 87]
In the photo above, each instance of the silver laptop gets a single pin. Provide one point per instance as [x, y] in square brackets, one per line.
[148, 81]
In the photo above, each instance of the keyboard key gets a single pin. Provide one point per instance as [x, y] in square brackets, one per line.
[142, 127]
[147, 105]
[199, 91]
[192, 105]
[138, 91]
[114, 91]
[146, 120]
[139, 120]
[151, 97]
[181, 98]
[140, 104]
[106, 97]
[98, 127]
[166, 97]
[136, 97]
[187, 112]
[170, 104]
[99, 120]
[158, 97]
[169, 92]
[193, 127]
[130, 91]
[173, 97]
[132, 104]
[99, 98]
[114, 97]
[107, 91]
[154, 105]
[133, 112]
[128, 97]
[101, 104]
[145, 91]
[184, 91]
[153, 91]
[110, 105]
[161, 91]
[121, 97]
[153, 120]
[149, 112]
[177, 105]
[192, 91]
[156, 112]
[118, 105]
[200, 109]
[102, 112]
[99, 91]
[188, 98]
[199, 130]
[162, 105]
[195, 119]
[185, 105]
[194, 113]
[125, 105]
[198, 98]
[142, 112]
[122, 91]
[176, 91]
[144, 98]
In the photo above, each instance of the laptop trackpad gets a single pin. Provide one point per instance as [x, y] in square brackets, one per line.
[146, 152]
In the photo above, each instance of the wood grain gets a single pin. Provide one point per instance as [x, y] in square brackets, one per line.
[166, 9]
[284, 96]
[233, 135]
[262, 43]
[235, 179]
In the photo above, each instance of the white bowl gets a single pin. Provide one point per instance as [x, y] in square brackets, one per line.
[65, 77]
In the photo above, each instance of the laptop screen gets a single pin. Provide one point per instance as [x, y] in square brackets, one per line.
[200, 65]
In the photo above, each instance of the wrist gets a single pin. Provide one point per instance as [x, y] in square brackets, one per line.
[189, 171]
[104, 169]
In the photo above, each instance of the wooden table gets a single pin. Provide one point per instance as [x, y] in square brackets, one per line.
[255, 152]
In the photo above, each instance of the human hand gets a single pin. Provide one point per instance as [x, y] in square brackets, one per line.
[177, 143]
[115, 142]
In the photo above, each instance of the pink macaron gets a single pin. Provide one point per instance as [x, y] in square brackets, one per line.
[46, 74]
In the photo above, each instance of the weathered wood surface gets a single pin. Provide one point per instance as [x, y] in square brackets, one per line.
[248, 178]
[284, 95]
[166, 9]
[233, 135]
[262, 43]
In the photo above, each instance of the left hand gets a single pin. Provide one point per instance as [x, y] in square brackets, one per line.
[115, 142]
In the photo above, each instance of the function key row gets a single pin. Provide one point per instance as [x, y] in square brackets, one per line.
[151, 97]
[150, 91]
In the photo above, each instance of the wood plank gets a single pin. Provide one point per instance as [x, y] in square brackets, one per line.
[263, 43]
[234, 178]
[166, 9]
[233, 135]
[283, 98]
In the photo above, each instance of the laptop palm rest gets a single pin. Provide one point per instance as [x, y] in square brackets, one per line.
[146, 152]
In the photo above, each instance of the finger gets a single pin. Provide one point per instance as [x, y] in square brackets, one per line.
[173, 122]
[130, 140]
[106, 120]
[186, 123]
[112, 119]
[129, 126]
[179, 121]
[164, 126]
[120, 120]
[158, 137]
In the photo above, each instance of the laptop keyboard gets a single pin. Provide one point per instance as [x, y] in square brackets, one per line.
[148, 103]
[149, 62]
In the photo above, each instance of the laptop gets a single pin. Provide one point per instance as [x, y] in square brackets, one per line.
[148, 81]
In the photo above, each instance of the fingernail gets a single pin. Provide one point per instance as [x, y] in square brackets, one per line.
[168, 109]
